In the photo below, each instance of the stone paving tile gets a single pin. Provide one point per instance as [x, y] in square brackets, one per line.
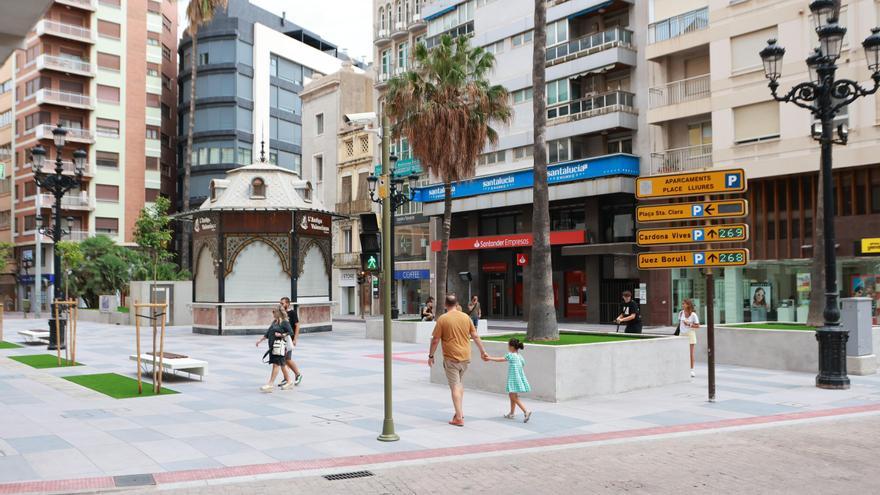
[163, 451]
[41, 443]
[16, 468]
[753, 408]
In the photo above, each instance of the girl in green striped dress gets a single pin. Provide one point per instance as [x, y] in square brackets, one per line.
[516, 378]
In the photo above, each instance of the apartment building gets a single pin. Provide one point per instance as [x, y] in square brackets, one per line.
[339, 157]
[597, 142]
[104, 71]
[252, 65]
[7, 112]
[710, 108]
[398, 27]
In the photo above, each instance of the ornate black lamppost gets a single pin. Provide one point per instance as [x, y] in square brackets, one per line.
[398, 197]
[824, 96]
[57, 184]
[26, 263]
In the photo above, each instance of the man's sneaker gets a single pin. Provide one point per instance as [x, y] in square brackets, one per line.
[298, 380]
[287, 386]
[282, 384]
[267, 389]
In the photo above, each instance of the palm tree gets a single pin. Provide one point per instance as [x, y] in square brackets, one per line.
[198, 13]
[444, 106]
[542, 314]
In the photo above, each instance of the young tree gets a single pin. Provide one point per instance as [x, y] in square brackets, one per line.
[72, 259]
[198, 13]
[152, 233]
[7, 249]
[542, 314]
[444, 106]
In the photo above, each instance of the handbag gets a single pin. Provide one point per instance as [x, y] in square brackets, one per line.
[278, 347]
[678, 328]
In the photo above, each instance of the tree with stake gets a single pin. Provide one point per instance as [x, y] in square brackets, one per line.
[444, 106]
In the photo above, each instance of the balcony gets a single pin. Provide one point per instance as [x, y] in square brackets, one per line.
[80, 201]
[355, 207]
[400, 30]
[677, 92]
[65, 99]
[592, 106]
[382, 79]
[66, 65]
[682, 159]
[73, 235]
[381, 37]
[673, 27]
[67, 168]
[589, 44]
[346, 260]
[62, 30]
[417, 23]
[44, 131]
[90, 5]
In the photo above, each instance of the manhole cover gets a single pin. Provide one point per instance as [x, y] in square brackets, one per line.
[337, 416]
[348, 476]
[134, 480]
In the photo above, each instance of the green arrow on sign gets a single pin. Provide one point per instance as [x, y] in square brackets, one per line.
[372, 264]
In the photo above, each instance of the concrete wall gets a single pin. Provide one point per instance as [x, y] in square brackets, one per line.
[416, 332]
[558, 373]
[180, 309]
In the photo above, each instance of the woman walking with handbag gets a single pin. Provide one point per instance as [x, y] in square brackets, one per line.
[276, 333]
[689, 322]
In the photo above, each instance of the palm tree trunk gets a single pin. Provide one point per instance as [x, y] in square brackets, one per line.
[815, 316]
[187, 158]
[443, 262]
[542, 312]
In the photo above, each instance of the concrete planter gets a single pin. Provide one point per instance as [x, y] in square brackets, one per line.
[413, 332]
[558, 373]
[790, 350]
[96, 316]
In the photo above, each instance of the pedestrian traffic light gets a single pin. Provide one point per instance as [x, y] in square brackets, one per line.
[371, 262]
[371, 243]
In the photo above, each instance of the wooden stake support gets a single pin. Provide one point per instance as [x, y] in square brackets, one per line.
[158, 328]
[70, 348]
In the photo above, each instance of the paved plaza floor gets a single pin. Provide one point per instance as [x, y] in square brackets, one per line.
[53, 430]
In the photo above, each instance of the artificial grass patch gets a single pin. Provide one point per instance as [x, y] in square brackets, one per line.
[116, 386]
[565, 338]
[775, 326]
[8, 345]
[41, 361]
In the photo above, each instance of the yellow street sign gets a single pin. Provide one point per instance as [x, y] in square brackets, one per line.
[693, 259]
[735, 208]
[871, 246]
[692, 184]
[734, 232]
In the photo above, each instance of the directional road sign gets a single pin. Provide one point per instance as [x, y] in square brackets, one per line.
[693, 259]
[734, 232]
[692, 184]
[709, 210]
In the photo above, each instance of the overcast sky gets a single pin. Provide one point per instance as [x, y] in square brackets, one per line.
[345, 23]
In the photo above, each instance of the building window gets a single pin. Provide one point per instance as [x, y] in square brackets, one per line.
[523, 152]
[244, 155]
[153, 100]
[166, 52]
[319, 124]
[6, 86]
[349, 148]
[521, 95]
[522, 38]
[386, 62]
[492, 158]
[258, 188]
[166, 111]
[557, 32]
[109, 29]
[30, 189]
[108, 94]
[150, 195]
[558, 151]
[557, 91]
[402, 56]
[36, 119]
[319, 168]
[152, 132]
[152, 69]
[756, 122]
[105, 225]
[153, 39]
[495, 48]
[107, 127]
[104, 192]
[166, 23]
[151, 162]
[620, 145]
[107, 159]
[743, 49]
[107, 61]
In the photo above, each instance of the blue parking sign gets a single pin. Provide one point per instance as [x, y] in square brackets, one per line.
[699, 258]
[698, 235]
[697, 210]
[733, 181]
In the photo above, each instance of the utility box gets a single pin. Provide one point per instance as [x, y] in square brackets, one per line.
[855, 317]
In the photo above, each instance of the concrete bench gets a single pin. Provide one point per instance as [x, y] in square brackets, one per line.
[187, 365]
[35, 336]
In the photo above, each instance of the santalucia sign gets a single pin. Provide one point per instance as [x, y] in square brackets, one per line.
[590, 168]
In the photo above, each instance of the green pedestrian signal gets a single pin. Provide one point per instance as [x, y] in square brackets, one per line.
[371, 262]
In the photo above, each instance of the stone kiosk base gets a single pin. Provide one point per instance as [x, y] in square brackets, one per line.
[413, 332]
[558, 373]
[255, 318]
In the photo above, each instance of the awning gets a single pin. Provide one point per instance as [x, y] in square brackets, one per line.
[597, 70]
[616, 248]
[590, 10]
[443, 11]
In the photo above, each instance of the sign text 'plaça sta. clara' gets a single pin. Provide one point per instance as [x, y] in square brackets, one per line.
[708, 210]
[693, 259]
[734, 232]
[691, 184]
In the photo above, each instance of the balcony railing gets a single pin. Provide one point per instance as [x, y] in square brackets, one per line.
[346, 260]
[83, 4]
[80, 201]
[381, 35]
[64, 64]
[615, 101]
[399, 29]
[63, 30]
[64, 98]
[682, 159]
[67, 167]
[353, 207]
[692, 88]
[590, 43]
[44, 131]
[679, 25]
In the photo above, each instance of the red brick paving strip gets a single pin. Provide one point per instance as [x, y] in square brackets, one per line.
[289, 466]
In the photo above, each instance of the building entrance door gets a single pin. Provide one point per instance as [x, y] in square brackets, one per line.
[576, 295]
[496, 298]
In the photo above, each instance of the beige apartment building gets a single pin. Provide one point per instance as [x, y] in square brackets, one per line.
[710, 108]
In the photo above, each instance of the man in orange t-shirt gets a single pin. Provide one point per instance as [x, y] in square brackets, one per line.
[455, 329]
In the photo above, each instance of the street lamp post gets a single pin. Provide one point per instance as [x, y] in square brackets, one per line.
[57, 184]
[391, 197]
[26, 263]
[824, 96]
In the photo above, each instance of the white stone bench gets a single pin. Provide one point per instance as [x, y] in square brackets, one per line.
[35, 336]
[187, 365]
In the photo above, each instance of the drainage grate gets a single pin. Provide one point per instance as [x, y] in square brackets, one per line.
[348, 476]
[129, 480]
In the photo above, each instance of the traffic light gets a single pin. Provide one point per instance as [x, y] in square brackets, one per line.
[361, 278]
[371, 243]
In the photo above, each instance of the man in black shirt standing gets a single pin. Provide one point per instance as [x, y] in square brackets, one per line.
[291, 341]
[630, 314]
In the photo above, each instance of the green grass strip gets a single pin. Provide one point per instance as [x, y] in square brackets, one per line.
[774, 326]
[41, 361]
[116, 386]
[8, 345]
[565, 338]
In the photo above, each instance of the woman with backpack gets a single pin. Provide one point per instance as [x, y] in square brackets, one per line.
[278, 330]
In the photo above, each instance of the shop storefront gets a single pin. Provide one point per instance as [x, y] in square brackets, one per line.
[348, 293]
[413, 289]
